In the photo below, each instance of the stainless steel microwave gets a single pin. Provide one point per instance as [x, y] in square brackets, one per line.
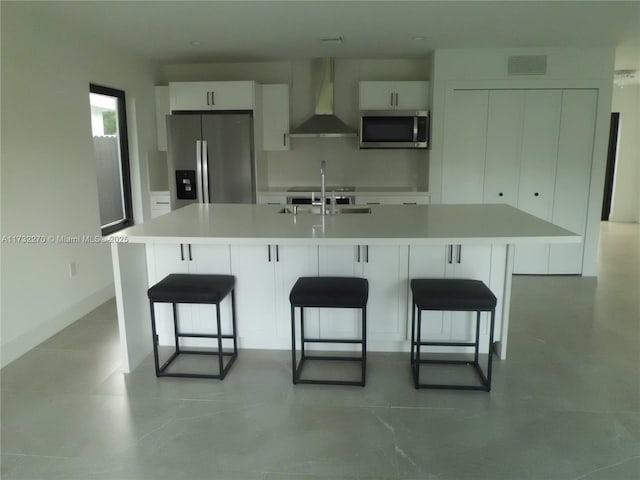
[394, 129]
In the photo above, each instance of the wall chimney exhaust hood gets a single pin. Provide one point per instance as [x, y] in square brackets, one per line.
[323, 123]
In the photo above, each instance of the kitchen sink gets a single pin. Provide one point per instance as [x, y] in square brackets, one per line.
[316, 210]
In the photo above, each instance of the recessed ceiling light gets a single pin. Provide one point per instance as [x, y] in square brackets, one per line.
[196, 43]
[334, 40]
[419, 38]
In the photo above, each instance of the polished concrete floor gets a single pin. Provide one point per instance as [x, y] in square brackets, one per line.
[565, 405]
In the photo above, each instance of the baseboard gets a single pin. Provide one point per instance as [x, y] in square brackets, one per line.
[20, 345]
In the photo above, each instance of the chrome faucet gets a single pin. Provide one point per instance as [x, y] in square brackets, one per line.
[323, 193]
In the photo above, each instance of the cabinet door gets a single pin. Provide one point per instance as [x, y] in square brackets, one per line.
[465, 139]
[428, 262]
[212, 95]
[275, 117]
[163, 260]
[573, 173]
[386, 269]
[504, 144]
[255, 292]
[538, 170]
[377, 95]
[292, 262]
[209, 259]
[412, 95]
[469, 262]
[339, 261]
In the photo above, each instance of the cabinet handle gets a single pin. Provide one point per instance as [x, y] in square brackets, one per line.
[284, 139]
[536, 194]
[189, 249]
[396, 99]
[208, 98]
[459, 253]
[182, 252]
[269, 252]
[500, 194]
[366, 253]
[358, 253]
[213, 98]
[277, 253]
[450, 253]
[391, 99]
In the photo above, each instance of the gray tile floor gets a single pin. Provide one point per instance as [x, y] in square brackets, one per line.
[565, 405]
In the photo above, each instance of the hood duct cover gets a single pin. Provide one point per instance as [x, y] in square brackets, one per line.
[324, 123]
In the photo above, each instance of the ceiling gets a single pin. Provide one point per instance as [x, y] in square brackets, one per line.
[284, 30]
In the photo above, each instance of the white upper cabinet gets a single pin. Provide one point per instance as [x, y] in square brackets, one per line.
[413, 95]
[275, 117]
[212, 95]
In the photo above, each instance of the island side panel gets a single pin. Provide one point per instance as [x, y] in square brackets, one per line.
[500, 346]
[134, 319]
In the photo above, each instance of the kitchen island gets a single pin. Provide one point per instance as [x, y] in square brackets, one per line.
[267, 249]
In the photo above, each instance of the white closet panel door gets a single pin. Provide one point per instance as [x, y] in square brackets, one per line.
[538, 170]
[464, 146]
[504, 146]
[573, 174]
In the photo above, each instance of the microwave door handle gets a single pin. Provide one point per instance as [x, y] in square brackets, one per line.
[415, 128]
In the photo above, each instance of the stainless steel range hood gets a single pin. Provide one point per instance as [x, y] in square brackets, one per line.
[324, 123]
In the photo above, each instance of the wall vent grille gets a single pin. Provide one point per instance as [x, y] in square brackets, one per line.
[527, 65]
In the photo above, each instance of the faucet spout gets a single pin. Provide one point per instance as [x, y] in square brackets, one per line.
[323, 193]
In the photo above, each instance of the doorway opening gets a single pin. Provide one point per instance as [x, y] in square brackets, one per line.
[611, 166]
[111, 147]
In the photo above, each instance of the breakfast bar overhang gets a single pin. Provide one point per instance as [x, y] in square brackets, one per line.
[267, 247]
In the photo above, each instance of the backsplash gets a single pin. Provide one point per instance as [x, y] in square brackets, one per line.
[346, 165]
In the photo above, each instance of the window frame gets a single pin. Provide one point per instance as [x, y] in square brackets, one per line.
[123, 140]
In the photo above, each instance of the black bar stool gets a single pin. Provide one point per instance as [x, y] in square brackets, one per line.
[194, 288]
[451, 294]
[328, 292]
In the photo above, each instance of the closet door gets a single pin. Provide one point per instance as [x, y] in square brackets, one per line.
[464, 146]
[504, 146]
[573, 174]
[540, 135]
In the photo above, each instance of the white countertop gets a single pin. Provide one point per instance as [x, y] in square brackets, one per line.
[386, 224]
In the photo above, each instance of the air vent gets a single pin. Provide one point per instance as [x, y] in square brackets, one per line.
[527, 65]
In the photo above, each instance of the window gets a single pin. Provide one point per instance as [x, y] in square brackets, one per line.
[110, 144]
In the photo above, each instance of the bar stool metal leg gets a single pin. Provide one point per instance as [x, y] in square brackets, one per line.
[154, 335]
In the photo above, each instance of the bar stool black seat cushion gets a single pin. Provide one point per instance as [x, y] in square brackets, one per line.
[452, 294]
[192, 288]
[345, 292]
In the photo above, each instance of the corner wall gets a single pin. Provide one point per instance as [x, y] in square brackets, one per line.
[49, 185]
[625, 205]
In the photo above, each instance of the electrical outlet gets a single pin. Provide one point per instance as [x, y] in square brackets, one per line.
[73, 269]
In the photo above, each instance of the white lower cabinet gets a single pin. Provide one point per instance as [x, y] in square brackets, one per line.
[165, 259]
[385, 267]
[456, 261]
[264, 276]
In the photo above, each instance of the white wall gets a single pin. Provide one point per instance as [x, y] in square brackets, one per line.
[566, 68]
[346, 163]
[49, 184]
[625, 205]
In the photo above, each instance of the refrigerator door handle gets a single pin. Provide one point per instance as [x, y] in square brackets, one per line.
[205, 171]
[199, 189]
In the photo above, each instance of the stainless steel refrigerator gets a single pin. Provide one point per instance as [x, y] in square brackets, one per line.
[210, 158]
